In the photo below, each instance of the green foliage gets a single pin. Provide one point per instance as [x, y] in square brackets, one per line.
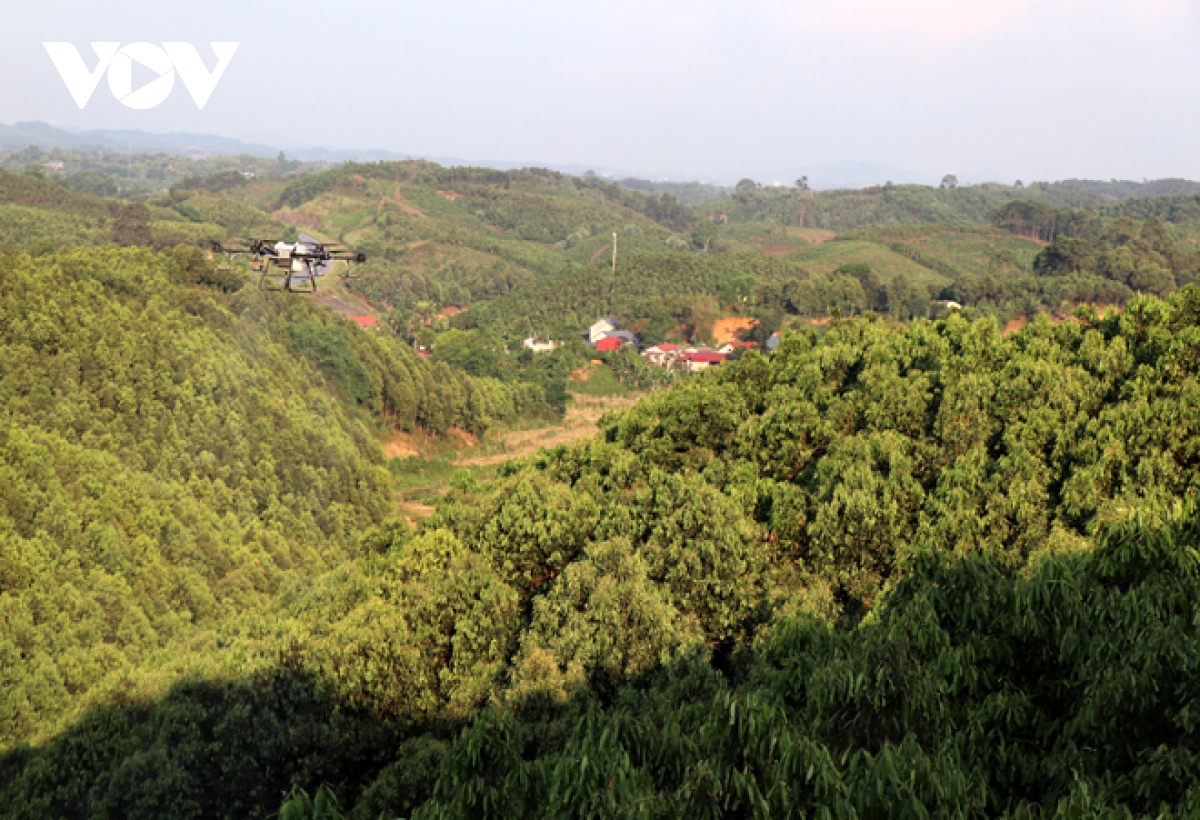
[22, 227]
[976, 692]
[923, 569]
[92, 182]
[105, 172]
[850, 209]
[1142, 257]
[299, 806]
[37, 192]
[645, 286]
[174, 455]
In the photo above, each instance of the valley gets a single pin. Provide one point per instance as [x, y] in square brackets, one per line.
[881, 500]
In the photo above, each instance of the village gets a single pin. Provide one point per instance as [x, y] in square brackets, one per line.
[606, 335]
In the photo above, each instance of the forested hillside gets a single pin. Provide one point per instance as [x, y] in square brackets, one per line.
[141, 176]
[899, 567]
[890, 204]
[173, 455]
[448, 239]
[921, 569]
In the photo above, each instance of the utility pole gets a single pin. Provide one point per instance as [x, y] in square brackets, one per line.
[614, 253]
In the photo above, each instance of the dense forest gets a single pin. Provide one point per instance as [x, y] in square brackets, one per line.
[899, 566]
[173, 453]
[913, 563]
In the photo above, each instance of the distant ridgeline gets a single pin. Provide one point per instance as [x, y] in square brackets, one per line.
[920, 569]
[505, 245]
[908, 204]
[37, 213]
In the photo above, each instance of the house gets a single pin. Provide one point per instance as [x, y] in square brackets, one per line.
[365, 321]
[539, 347]
[624, 336]
[600, 327]
[729, 347]
[662, 355]
[702, 359]
[608, 343]
[773, 342]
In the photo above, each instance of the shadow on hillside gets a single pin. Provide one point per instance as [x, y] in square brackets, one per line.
[217, 750]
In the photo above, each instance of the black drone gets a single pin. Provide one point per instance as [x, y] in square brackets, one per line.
[307, 258]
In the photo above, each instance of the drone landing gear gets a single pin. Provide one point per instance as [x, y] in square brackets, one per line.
[284, 284]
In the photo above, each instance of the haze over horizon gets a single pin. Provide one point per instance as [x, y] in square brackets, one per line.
[1030, 89]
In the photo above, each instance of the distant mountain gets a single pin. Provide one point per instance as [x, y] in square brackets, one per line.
[841, 175]
[24, 134]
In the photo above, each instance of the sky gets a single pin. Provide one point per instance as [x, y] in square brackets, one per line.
[1007, 89]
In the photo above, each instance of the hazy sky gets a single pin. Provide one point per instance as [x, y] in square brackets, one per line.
[1036, 89]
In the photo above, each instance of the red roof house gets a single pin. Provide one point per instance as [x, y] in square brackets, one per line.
[609, 343]
[366, 321]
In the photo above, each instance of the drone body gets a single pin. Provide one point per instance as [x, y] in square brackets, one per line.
[303, 260]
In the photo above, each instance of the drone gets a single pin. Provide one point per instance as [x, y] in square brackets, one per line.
[305, 259]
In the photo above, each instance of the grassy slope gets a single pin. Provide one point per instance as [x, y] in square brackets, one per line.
[829, 256]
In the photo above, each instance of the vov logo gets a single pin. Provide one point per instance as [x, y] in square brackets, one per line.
[164, 62]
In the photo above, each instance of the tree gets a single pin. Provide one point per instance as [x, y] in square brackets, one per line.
[949, 182]
[705, 234]
[745, 186]
[132, 225]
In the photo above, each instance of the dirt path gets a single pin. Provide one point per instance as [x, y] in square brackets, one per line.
[580, 422]
[332, 294]
[814, 236]
[413, 512]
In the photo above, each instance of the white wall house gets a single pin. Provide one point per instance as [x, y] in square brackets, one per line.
[600, 327]
[540, 347]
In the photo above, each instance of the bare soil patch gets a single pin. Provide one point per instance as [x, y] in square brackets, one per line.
[727, 330]
[467, 439]
[413, 511]
[1016, 324]
[400, 445]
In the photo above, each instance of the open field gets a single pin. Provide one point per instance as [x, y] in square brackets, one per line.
[423, 465]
